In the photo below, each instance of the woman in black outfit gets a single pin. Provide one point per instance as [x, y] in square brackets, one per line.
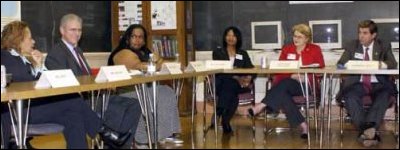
[228, 86]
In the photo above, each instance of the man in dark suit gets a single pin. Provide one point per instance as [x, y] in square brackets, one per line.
[67, 110]
[380, 87]
[67, 55]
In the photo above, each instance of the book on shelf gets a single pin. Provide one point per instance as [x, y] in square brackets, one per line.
[165, 46]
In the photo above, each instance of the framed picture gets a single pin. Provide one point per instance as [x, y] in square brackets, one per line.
[163, 15]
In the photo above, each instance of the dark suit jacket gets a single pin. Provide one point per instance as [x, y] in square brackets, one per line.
[60, 57]
[381, 51]
[245, 62]
[222, 54]
[14, 65]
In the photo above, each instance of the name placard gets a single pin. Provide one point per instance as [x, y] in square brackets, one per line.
[135, 72]
[284, 64]
[112, 73]
[171, 68]
[218, 64]
[56, 79]
[362, 65]
[196, 66]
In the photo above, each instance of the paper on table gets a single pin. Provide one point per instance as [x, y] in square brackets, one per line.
[135, 72]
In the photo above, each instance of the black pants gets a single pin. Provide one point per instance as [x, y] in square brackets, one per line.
[281, 97]
[123, 115]
[70, 111]
[354, 104]
[227, 90]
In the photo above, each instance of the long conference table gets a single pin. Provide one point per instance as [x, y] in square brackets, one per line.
[21, 91]
[18, 92]
[327, 74]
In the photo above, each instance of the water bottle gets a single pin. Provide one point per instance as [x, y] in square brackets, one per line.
[264, 62]
[3, 77]
[151, 68]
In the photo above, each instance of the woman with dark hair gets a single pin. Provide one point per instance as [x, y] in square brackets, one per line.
[132, 44]
[133, 53]
[229, 86]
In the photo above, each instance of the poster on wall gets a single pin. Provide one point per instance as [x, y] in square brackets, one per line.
[129, 12]
[163, 15]
[10, 11]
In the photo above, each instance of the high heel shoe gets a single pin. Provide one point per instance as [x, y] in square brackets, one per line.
[227, 128]
[250, 112]
[304, 136]
[113, 137]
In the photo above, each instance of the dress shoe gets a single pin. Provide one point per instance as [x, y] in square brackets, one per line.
[371, 142]
[227, 128]
[369, 133]
[211, 126]
[113, 137]
[250, 112]
[304, 136]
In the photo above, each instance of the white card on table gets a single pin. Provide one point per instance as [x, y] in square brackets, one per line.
[362, 65]
[56, 79]
[239, 57]
[171, 68]
[291, 56]
[112, 73]
[218, 64]
[284, 64]
[135, 72]
[196, 66]
[359, 56]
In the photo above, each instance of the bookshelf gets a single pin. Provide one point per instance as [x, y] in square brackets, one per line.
[167, 35]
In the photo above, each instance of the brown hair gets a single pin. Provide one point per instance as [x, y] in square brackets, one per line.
[12, 35]
[303, 29]
[371, 25]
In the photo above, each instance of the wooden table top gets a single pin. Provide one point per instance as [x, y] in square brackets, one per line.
[329, 70]
[26, 90]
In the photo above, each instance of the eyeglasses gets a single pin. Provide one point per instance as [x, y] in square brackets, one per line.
[299, 37]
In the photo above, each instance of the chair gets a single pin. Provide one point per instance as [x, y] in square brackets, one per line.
[245, 99]
[43, 129]
[301, 102]
[248, 98]
[367, 102]
[38, 129]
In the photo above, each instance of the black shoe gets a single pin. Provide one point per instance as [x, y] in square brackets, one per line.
[250, 112]
[211, 126]
[112, 137]
[304, 136]
[227, 128]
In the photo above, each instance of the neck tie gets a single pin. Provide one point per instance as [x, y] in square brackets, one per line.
[366, 79]
[80, 61]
